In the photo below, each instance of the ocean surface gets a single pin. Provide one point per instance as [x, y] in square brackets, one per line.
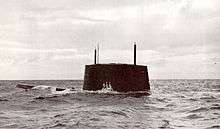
[171, 104]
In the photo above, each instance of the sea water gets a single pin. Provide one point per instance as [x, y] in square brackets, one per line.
[170, 104]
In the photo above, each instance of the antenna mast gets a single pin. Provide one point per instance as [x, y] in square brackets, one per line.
[95, 56]
[134, 53]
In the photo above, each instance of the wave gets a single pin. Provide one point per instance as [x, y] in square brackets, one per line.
[207, 98]
[201, 109]
[3, 99]
[213, 127]
[165, 124]
[59, 125]
[204, 109]
[54, 99]
[215, 107]
[193, 116]
[121, 113]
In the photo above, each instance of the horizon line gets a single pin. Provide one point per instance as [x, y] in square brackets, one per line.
[83, 79]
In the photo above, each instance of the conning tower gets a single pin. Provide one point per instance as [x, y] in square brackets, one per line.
[121, 77]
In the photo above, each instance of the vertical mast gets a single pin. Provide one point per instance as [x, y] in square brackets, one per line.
[95, 57]
[134, 53]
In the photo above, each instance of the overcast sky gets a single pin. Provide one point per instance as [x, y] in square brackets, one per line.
[54, 39]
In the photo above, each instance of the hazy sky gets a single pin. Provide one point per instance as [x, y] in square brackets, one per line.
[54, 39]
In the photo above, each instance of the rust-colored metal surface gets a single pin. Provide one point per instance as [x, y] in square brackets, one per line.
[121, 77]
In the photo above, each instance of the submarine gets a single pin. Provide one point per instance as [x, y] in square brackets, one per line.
[117, 77]
[122, 78]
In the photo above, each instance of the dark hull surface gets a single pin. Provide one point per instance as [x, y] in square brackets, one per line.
[120, 77]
